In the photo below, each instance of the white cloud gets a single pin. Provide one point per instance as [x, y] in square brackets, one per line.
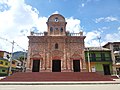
[17, 22]
[99, 19]
[56, 12]
[83, 5]
[119, 28]
[101, 29]
[19, 17]
[91, 39]
[106, 19]
[105, 28]
[41, 24]
[115, 37]
[73, 25]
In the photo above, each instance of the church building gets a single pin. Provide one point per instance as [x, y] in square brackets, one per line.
[56, 50]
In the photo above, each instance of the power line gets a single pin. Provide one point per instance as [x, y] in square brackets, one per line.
[12, 43]
[11, 56]
[5, 39]
[20, 46]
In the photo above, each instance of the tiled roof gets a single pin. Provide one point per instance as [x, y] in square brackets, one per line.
[96, 48]
[111, 43]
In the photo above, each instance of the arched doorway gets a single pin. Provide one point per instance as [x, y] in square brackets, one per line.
[76, 62]
[76, 65]
[56, 65]
[56, 60]
[36, 60]
[36, 66]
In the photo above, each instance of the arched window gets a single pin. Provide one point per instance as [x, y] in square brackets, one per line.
[51, 29]
[61, 29]
[56, 46]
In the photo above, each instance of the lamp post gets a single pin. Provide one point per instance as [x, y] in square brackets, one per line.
[88, 61]
[11, 57]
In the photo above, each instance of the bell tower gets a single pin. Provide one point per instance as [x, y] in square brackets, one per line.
[56, 25]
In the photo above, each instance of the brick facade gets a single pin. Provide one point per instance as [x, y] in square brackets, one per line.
[56, 44]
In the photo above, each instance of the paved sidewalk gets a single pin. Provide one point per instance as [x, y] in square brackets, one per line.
[61, 87]
[117, 81]
[94, 85]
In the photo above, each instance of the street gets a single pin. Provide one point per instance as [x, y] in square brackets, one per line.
[61, 87]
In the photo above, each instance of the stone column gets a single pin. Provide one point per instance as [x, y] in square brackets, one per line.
[84, 62]
[64, 60]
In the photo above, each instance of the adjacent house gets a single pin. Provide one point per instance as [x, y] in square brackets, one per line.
[4, 66]
[4, 62]
[5, 55]
[16, 65]
[98, 60]
[115, 47]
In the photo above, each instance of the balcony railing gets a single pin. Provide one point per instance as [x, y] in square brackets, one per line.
[37, 34]
[99, 59]
[46, 33]
[74, 34]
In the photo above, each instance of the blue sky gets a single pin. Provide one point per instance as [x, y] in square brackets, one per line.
[96, 18]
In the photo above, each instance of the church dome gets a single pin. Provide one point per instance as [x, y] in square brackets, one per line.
[56, 18]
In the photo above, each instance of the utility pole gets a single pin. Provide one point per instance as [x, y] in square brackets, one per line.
[24, 61]
[88, 60]
[11, 57]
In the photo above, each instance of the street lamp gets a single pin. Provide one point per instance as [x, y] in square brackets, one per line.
[88, 61]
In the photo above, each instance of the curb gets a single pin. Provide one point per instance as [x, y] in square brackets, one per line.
[58, 83]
